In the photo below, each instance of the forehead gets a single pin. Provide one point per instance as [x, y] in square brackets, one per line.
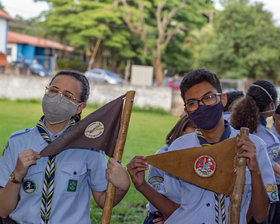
[69, 83]
[198, 90]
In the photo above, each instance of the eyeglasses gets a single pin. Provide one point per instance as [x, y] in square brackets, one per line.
[68, 95]
[208, 99]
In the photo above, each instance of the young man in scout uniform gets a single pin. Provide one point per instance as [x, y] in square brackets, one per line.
[204, 101]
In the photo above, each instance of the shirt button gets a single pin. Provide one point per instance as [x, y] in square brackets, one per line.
[208, 204]
[75, 172]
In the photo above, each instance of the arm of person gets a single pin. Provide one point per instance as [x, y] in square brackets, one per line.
[136, 169]
[118, 176]
[9, 194]
[259, 204]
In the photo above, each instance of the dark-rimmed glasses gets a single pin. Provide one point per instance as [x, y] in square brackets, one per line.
[208, 99]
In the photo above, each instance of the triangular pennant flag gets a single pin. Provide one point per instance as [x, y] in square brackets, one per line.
[210, 167]
[99, 130]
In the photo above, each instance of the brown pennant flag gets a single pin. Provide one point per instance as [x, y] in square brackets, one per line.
[99, 130]
[210, 167]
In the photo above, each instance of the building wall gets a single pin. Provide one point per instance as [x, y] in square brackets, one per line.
[3, 35]
[27, 51]
[12, 47]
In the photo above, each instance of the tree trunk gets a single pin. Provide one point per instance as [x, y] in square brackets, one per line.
[127, 70]
[157, 64]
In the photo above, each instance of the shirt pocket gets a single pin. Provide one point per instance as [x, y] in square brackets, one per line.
[73, 176]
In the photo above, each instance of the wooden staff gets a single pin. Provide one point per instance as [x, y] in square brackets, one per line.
[239, 185]
[110, 192]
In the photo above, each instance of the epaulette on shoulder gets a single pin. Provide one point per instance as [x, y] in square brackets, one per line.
[20, 132]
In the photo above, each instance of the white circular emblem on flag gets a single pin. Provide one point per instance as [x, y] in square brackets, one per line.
[94, 130]
[204, 166]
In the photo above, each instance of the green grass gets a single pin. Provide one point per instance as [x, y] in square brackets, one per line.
[146, 134]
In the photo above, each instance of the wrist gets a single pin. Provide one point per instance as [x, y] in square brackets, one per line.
[14, 178]
[141, 186]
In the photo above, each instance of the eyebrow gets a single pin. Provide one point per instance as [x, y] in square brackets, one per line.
[200, 97]
[63, 90]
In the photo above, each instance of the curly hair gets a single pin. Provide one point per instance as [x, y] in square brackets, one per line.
[179, 128]
[232, 98]
[245, 113]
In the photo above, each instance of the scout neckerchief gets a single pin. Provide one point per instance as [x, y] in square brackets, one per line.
[48, 188]
[219, 198]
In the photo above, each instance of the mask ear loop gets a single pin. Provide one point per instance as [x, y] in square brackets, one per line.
[267, 93]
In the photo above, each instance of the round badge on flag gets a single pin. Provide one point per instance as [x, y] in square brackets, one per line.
[204, 166]
[94, 130]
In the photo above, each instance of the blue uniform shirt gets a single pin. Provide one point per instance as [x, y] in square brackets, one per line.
[156, 180]
[276, 157]
[198, 204]
[78, 171]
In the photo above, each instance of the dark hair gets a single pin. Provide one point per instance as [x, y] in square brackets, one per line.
[177, 131]
[197, 76]
[246, 113]
[85, 86]
[231, 98]
[260, 96]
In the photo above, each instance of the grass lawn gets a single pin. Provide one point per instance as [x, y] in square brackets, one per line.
[147, 132]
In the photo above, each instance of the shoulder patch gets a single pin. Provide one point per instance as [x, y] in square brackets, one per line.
[20, 132]
[156, 179]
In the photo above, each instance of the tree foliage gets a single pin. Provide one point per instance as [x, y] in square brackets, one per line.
[244, 43]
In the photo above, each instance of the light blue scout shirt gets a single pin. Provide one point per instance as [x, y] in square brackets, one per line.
[198, 204]
[276, 157]
[271, 141]
[156, 180]
[78, 171]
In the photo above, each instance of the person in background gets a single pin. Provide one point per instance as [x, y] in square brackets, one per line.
[231, 99]
[56, 189]
[252, 112]
[156, 176]
[276, 131]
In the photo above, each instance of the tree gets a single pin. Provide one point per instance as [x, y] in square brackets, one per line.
[157, 28]
[244, 43]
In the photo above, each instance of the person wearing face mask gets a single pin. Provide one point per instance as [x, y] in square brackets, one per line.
[56, 189]
[259, 104]
[204, 101]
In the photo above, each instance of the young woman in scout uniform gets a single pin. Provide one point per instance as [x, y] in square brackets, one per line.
[204, 101]
[56, 189]
[259, 104]
[156, 176]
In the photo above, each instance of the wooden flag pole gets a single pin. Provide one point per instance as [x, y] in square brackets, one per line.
[110, 192]
[239, 185]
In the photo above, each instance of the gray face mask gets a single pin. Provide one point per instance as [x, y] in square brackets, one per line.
[57, 108]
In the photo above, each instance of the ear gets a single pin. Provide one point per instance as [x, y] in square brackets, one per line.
[81, 107]
[224, 99]
[186, 111]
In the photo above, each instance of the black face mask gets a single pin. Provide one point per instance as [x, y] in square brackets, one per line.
[207, 117]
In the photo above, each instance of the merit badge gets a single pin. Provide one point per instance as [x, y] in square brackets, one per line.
[204, 166]
[72, 185]
[94, 130]
[274, 195]
[275, 187]
[29, 186]
[269, 187]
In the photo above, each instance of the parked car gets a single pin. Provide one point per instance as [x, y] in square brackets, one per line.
[38, 69]
[101, 75]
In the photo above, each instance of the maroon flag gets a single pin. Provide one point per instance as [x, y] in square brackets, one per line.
[99, 130]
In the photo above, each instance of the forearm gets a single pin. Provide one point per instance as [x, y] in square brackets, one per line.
[165, 206]
[119, 194]
[9, 198]
[259, 203]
